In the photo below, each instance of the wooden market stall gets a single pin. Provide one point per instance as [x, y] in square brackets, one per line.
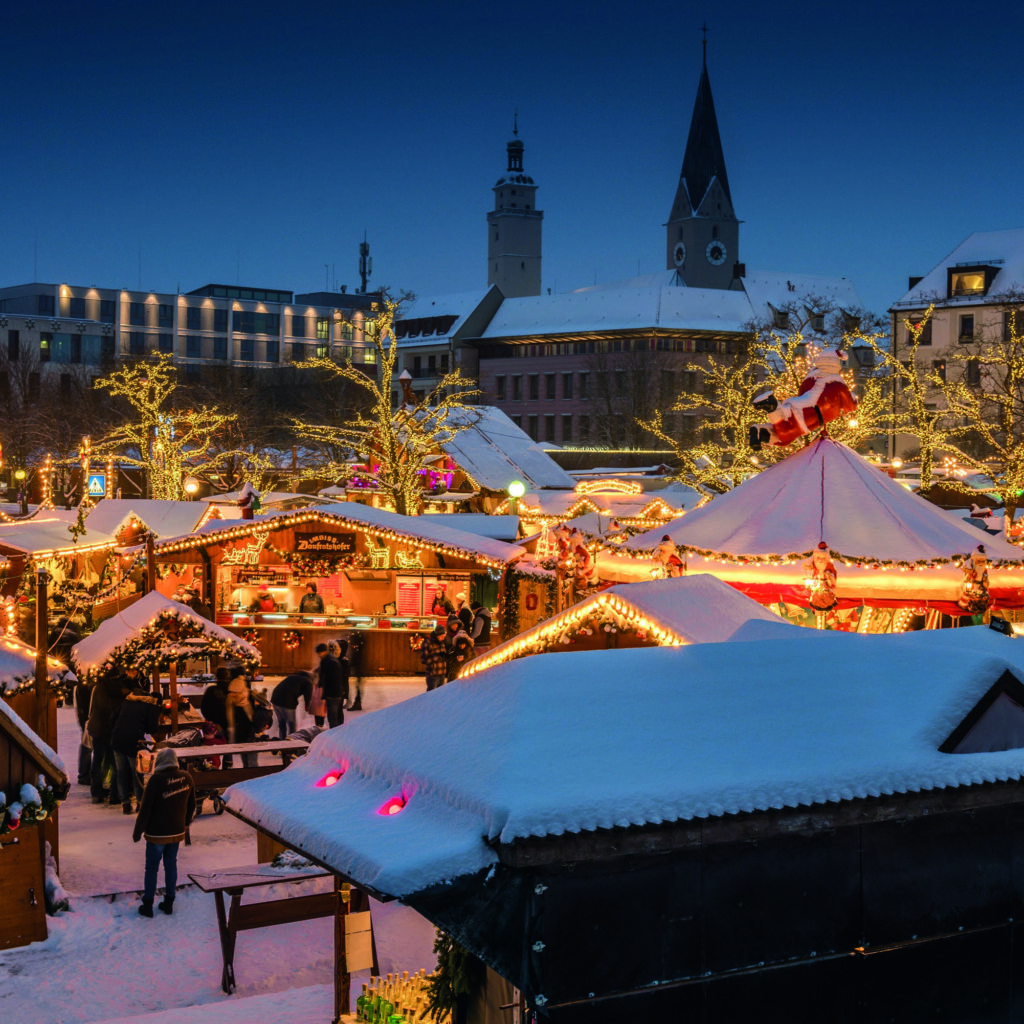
[899, 562]
[375, 572]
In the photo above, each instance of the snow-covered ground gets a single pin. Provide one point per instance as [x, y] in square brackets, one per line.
[103, 962]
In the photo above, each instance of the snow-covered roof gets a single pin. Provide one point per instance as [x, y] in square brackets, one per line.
[493, 452]
[45, 533]
[164, 518]
[102, 646]
[685, 610]
[18, 664]
[764, 287]
[505, 528]
[30, 741]
[615, 505]
[542, 747]
[429, 529]
[824, 492]
[617, 308]
[459, 305]
[1004, 249]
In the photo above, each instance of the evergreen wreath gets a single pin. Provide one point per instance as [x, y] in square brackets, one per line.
[291, 639]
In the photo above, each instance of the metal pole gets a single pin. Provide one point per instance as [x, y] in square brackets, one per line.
[42, 722]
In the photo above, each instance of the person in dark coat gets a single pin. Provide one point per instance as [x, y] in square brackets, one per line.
[355, 665]
[285, 700]
[434, 658]
[83, 695]
[458, 647]
[107, 696]
[168, 807]
[213, 706]
[333, 685]
[312, 603]
[481, 630]
[138, 715]
[464, 612]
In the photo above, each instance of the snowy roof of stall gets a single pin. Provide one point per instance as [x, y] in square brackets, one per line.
[547, 745]
[18, 664]
[102, 647]
[504, 528]
[684, 610]
[45, 533]
[614, 503]
[824, 492]
[164, 518]
[429, 529]
[493, 452]
[1004, 249]
[628, 305]
[30, 742]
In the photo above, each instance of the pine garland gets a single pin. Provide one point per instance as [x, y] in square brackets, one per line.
[34, 803]
[458, 973]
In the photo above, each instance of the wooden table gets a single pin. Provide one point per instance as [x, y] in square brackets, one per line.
[337, 904]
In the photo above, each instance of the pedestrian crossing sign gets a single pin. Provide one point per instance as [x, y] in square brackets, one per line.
[97, 485]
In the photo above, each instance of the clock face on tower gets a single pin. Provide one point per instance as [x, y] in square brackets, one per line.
[716, 253]
[679, 254]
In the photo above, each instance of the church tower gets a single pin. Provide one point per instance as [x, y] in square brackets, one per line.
[703, 234]
[513, 228]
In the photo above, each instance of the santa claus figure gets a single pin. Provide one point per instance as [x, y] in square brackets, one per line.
[823, 395]
[248, 500]
[974, 596]
[667, 556]
[821, 583]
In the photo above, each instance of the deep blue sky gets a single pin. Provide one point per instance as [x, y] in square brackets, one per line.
[169, 145]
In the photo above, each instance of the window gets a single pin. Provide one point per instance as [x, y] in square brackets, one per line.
[220, 348]
[517, 420]
[136, 343]
[76, 309]
[250, 321]
[273, 352]
[108, 311]
[108, 351]
[44, 304]
[668, 382]
[549, 427]
[165, 315]
[323, 329]
[567, 385]
[298, 352]
[137, 314]
[65, 385]
[939, 366]
[972, 372]
[13, 345]
[584, 425]
[534, 388]
[165, 342]
[549, 388]
[75, 355]
[499, 388]
[193, 346]
[323, 350]
[45, 346]
[531, 426]
[970, 280]
[194, 318]
[566, 430]
[584, 389]
[298, 326]
[925, 327]
[966, 328]
[517, 387]
[247, 350]
[220, 321]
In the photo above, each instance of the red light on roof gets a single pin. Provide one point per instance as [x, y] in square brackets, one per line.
[393, 806]
[331, 777]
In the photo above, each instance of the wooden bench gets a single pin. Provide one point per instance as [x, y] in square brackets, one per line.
[221, 778]
[349, 907]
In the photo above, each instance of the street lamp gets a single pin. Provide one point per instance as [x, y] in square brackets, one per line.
[516, 490]
[19, 475]
[191, 486]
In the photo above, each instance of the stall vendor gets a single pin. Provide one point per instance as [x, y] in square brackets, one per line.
[264, 600]
[312, 603]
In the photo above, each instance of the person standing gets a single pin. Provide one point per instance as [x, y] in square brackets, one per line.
[83, 695]
[481, 631]
[106, 700]
[333, 685]
[464, 612]
[312, 603]
[355, 667]
[458, 647]
[317, 706]
[138, 715]
[434, 658]
[285, 701]
[168, 807]
[239, 709]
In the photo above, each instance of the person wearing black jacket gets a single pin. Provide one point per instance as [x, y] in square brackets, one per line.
[138, 715]
[168, 807]
[106, 700]
[213, 706]
[333, 685]
[285, 701]
[83, 695]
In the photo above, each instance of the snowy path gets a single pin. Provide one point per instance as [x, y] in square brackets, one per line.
[103, 962]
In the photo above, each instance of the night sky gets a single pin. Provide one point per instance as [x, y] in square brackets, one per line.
[165, 146]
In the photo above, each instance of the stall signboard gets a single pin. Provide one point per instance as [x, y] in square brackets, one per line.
[325, 545]
[409, 595]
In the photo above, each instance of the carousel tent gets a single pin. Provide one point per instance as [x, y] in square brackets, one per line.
[665, 613]
[140, 633]
[823, 492]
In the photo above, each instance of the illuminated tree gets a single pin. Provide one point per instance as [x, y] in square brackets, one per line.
[168, 443]
[393, 443]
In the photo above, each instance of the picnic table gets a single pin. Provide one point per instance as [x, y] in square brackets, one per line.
[220, 778]
[349, 907]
